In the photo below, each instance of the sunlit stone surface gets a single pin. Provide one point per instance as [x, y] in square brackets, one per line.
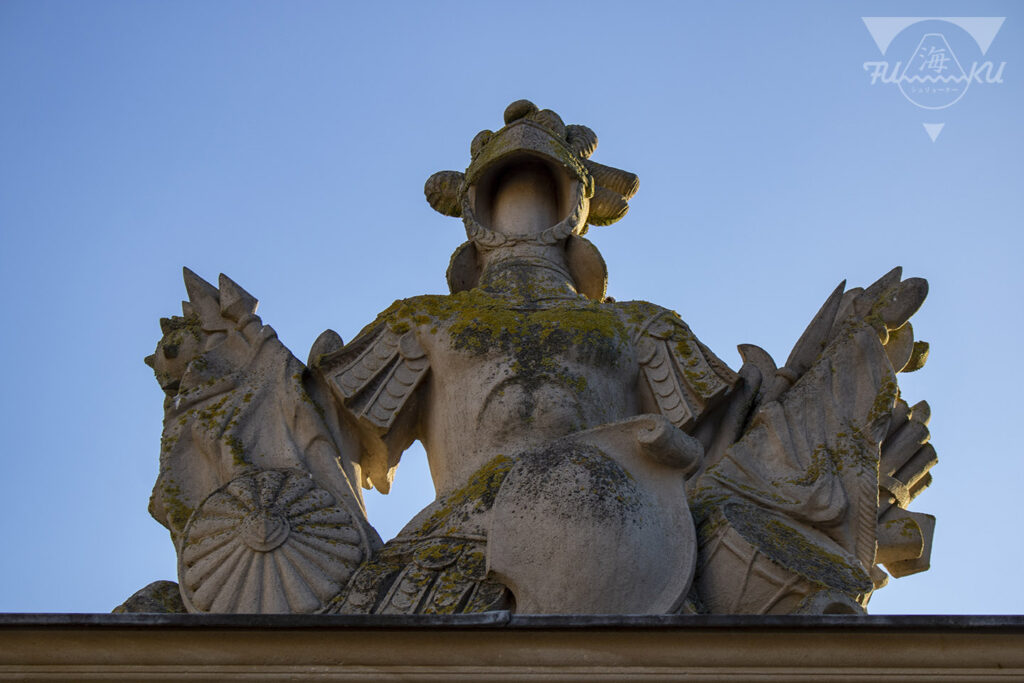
[589, 456]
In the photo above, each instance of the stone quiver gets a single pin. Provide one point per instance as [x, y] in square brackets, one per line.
[588, 455]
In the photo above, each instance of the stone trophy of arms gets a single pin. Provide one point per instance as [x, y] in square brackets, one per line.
[588, 455]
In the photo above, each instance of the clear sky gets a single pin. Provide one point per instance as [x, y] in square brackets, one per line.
[286, 144]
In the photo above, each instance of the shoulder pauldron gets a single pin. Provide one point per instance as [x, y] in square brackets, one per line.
[685, 378]
[375, 378]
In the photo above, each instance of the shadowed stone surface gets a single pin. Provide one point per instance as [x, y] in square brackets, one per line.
[500, 646]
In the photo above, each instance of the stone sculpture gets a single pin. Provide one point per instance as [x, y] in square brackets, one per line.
[588, 455]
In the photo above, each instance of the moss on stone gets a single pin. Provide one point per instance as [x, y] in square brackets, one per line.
[178, 512]
[823, 463]
[477, 495]
[904, 526]
[210, 416]
[237, 449]
[884, 401]
[792, 549]
[536, 339]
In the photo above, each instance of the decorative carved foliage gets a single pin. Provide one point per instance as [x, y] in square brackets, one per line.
[269, 541]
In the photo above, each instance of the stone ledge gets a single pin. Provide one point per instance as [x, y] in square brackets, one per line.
[499, 646]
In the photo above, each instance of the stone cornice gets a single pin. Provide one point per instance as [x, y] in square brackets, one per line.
[499, 646]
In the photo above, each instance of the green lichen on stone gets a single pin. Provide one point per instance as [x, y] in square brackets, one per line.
[159, 597]
[476, 496]
[536, 340]
[304, 396]
[636, 313]
[178, 327]
[884, 401]
[854, 449]
[237, 450]
[696, 377]
[473, 562]
[439, 554]
[823, 463]
[449, 589]
[904, 526]
[211, 416]
[167, 442]
[178, 512]
[370, 584]
[792, 549]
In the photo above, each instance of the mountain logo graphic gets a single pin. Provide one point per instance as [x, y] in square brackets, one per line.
[931, 71]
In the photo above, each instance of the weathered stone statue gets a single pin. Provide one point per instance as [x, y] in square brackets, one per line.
[588, 455]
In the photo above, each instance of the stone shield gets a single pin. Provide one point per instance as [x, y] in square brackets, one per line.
[597, 522]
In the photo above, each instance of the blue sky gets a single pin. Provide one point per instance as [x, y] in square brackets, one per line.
[286, 145]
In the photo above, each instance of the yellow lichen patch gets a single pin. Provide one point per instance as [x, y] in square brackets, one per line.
[439, 553]
[178, 512]
[823, 463]
[167, 442]
[178, 327]
[904, 526]
[885, 399]
[476, 496]
[211, 416]
[635, 313]
[784, 544]
[854, 449]
[237, 450]
[536, 339]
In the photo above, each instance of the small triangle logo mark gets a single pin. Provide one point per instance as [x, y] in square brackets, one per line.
[933, 129]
